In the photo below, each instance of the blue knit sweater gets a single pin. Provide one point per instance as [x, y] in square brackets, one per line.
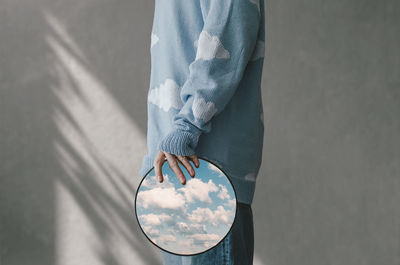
[205, 95]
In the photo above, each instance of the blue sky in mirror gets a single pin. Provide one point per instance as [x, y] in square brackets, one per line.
[190, 218]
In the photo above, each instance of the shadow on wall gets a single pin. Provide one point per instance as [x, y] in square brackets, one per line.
[69, 142]
[94, 136]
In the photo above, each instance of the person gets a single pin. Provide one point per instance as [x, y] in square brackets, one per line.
[205, 101]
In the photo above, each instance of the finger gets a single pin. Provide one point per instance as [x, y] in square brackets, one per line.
[173, 165]
[195, 160]
[191, 158]
[185, 162]
[158, 162]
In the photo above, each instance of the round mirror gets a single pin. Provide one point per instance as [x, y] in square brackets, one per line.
[186, 219]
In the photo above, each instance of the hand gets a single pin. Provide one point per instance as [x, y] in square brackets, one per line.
[173, 164]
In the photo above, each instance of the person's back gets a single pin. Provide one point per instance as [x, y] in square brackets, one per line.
[205, 87]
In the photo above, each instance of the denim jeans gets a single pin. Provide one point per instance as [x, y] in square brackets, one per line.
[236, 248]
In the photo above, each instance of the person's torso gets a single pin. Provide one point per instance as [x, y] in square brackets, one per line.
[236, 138]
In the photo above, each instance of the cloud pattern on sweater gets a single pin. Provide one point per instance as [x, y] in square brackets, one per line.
[259, 51]
[210, 47]
[154, 39]
[202, 109]
[166, 96]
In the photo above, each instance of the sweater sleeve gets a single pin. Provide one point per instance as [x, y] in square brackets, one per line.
[224, 48]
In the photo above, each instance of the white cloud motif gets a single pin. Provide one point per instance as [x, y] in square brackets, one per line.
[149, 230]
[165, 239]
[161, 198]
[155, 219]
[206, 215]
[259, 50]
[210, 47]
[223, 193]
[197, 189]
[215, 168]
[154, 39]
[250, 177]
[204, 239]
[203, 110]
[191, 228]
[231, 203]
[166, 96]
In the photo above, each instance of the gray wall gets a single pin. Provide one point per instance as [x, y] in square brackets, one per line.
[73, 82]
[329, 191]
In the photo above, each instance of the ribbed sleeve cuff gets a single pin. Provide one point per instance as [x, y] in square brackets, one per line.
[179, 142]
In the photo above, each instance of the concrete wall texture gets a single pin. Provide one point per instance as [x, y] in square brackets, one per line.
[74, 77]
